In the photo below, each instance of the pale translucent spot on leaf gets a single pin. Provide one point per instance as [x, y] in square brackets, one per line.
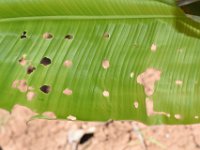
[105, 64]
[30, 96]
[23, 61]
[148, 79]
[196, 117]
[178, 116]
[45, 89]
[136, 104]
[68, 92]
[132, 75]
[106, 35]
[106, 94]
[72, 118]
[153, 47]
[47, 36]
[68, 63]
[179, 82]
[180, 50]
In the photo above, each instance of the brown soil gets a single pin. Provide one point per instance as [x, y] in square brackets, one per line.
[15, 134]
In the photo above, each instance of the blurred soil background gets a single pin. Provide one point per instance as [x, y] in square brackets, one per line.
[16, 134]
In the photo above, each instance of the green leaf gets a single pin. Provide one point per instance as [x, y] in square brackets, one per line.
[89, 60]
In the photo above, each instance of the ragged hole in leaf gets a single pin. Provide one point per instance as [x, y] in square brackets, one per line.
[106, 64]
[21, 85]
[45, 89]
[45, 61]
[50, 115]
[23, 36]
[68, 63]
[67, 92]
[106, 94]
[148, 80]
[22, 60]
[69, 37]
[150, 109]
[47, 35]
[30, 69]
[71, 118]
[196, 117]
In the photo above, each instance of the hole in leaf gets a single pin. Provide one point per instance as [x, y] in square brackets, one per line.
[72, 118]
[106, 35]
[45, 89]
[23, 36]
[105, 64]
[21, 85]
[196, 117]
[30, 96]
[23, 60]
[68, 63]
[148, 80]
[179, 82]
[45, 61]
[69, 37]
[47, 36]
[136, 104]
[178, 116]
[86, 137]
[30, 69]
[106, 94]
[67, 92]
[153, 47]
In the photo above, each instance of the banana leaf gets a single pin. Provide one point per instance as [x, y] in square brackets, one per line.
[99, 60]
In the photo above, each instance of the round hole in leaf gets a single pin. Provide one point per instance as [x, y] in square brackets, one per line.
[106, 94]
[45, 89]
[45, 61]
[69, 37]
